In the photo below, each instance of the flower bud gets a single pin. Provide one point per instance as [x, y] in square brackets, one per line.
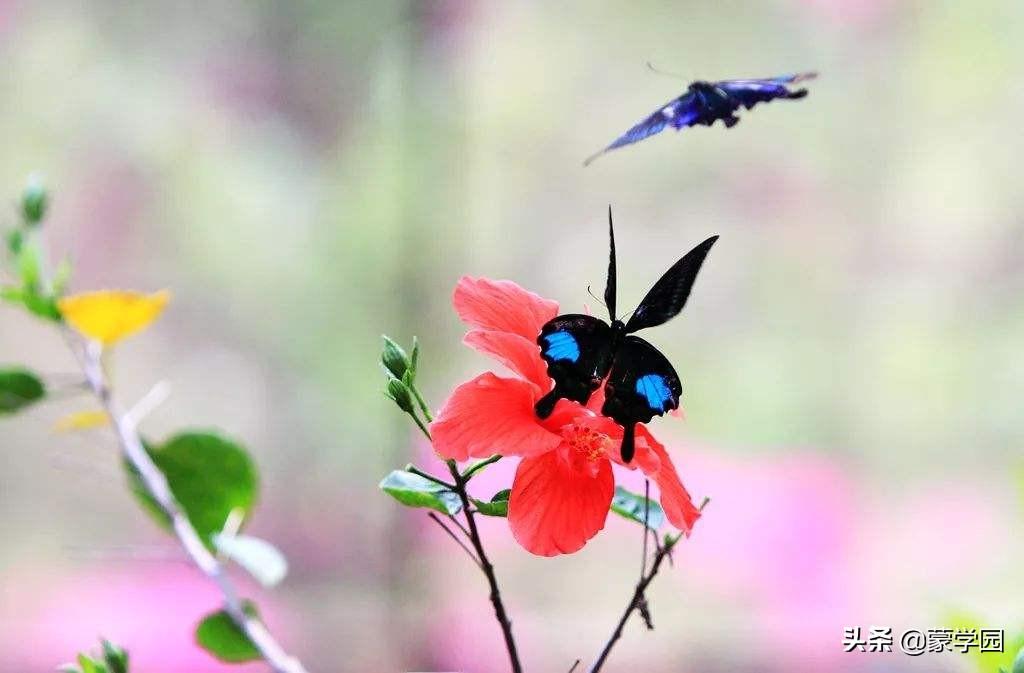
[33, 201]
[395, 359]
[399, 392]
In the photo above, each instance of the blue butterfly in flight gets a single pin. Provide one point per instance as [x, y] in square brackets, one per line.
[705, 103]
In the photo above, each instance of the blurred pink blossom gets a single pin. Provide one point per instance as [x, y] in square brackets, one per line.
[151, 610]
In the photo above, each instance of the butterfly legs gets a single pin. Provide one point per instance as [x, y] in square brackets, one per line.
[628, 448]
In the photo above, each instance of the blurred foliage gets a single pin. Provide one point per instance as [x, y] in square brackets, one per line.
[636, 507]
[988, 662]
[496, 506]
[211, 478]
[218, 634]
[114, 659]
[19, 388]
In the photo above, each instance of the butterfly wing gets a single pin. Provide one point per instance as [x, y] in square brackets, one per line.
[668, 296]
[680, 112]
[750, 92]
[642, 384]
[577, 349]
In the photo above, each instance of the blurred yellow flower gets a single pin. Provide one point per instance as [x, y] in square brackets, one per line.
[82, 420]
[111, 315]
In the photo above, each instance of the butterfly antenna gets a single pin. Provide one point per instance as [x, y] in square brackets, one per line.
[610, 284]
[599, 300]
[665, 73]
[628, 313]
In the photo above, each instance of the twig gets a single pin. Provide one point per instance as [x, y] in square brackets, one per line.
[156, 396]
[645, 612]
[647, 513]
[635, 603]
[476, 467]
[473, 533]
[89, 357]
[487, 567]
[455, 537]
[429, 477]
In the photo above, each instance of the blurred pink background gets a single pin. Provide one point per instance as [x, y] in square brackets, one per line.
[305, 177]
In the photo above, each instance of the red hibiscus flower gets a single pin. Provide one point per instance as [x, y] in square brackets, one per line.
[564, 485]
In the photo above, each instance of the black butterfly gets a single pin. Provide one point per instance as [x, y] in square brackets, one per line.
[706, 102]
[582, 350]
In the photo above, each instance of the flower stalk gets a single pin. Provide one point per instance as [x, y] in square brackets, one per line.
[89, 356]
[401, 388]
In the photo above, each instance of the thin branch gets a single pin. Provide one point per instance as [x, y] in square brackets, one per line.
[422, 403]
[474, 536]
[429, 477]
[89, 357]
[455, 537]
[488, 568]
[647, 513]
[637, 602]
[156, 396]
[422, 426]
[476, 467]
[461, 527]
[639, 599]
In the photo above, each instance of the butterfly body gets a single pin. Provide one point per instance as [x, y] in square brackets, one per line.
[704, 103]
[583, 351]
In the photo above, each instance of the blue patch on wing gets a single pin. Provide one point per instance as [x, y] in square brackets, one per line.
[654, 389]
[562, 346]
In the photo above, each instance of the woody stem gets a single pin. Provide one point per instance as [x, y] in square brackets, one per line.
[487, 567]
[635, 603]
[473, 533]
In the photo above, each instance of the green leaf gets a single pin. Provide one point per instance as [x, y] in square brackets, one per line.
[19, 388]
[89, 665]
[15, 241]
[34, 200]
[220, 636]
[210, 476]
[36, 303]
[62, 276]
[260, 558]
[29, 266]
[412, 490]
[498, 506]
[41, 305]
[631, 506]
[115, 657]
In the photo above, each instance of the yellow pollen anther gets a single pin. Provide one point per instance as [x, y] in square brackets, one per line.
[586, 441]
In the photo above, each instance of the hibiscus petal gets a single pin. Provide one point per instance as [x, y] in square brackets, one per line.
[656, 464]
[503, 306]
[554, 508]
[489, 415]
[519, 354]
